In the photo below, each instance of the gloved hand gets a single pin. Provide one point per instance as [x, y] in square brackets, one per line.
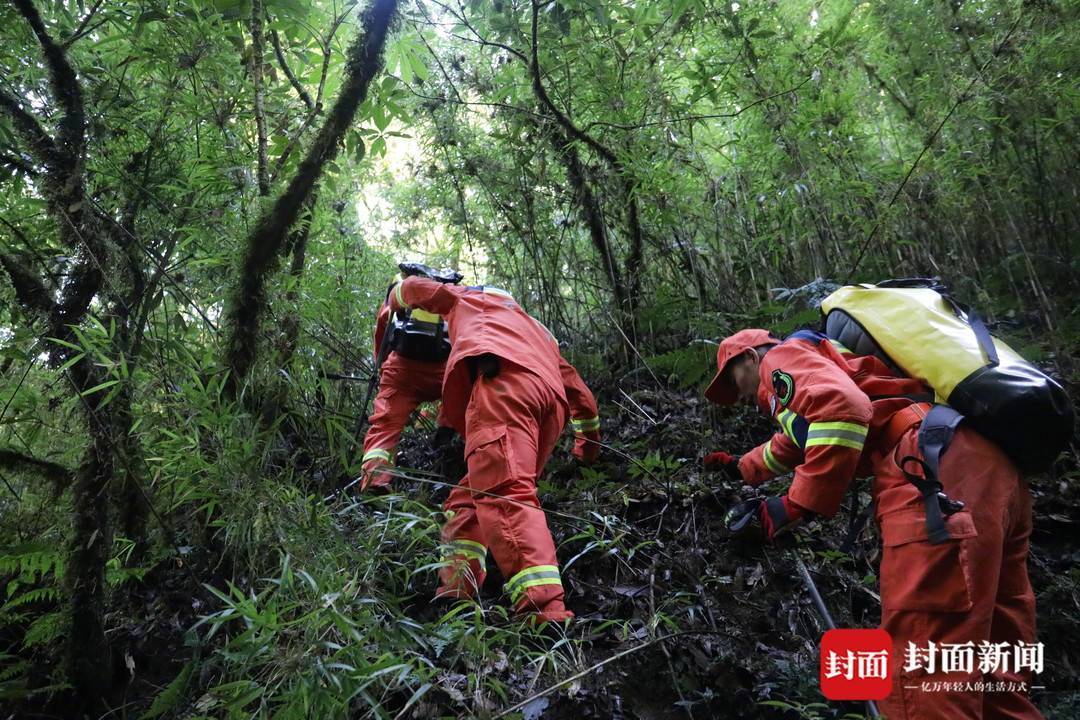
[374, 479]
[779, 513]
[586, 446]
[738, 517]
[725, 463]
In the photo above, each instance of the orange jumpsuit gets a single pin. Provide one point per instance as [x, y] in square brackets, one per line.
[511, 423]
[403, 384]
[835, 425]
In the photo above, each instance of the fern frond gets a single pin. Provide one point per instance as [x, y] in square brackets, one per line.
[44, 594]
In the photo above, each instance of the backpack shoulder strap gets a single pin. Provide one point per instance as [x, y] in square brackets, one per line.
[811, 336]
[935, 435]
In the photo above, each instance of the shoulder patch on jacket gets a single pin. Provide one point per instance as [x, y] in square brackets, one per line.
[783, 385]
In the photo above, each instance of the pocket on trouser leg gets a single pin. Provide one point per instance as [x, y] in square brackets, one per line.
[919, 576]
[487, 454]
[927, 592]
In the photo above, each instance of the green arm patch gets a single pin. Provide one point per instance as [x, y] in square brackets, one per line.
[783, 386]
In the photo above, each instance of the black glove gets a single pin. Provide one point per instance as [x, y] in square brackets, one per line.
[738, 517]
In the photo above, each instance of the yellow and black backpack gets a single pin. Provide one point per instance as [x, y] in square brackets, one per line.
[919, 329]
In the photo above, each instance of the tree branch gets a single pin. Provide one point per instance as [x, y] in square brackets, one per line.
[41, 144]
[328, 47]
[316, 109]
[460, 17]
[635, 255]
[82, 29]
[56, 473]
[694, 118]
[17, 163]
[590, 210]
[65, 87]
[29, 290]
[545, 100]
[872, 73]
[279, 53]
[263, 248]
[258, 50]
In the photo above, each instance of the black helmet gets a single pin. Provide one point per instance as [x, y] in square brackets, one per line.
[444, 276]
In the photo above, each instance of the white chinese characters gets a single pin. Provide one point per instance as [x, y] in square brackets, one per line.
[861, 664]
[967, 657]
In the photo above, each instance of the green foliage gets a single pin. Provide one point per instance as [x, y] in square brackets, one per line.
[44, 630]
[30, 562]
[171, 696]
[654, 465]
[327, 635]
[30, 573]
[809, 711]
[12, 674]
[685, 367]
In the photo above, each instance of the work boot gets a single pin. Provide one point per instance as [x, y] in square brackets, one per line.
[559, 617]
[553, 613]
[544, 603]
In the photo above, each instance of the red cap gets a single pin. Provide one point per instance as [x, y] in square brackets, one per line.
[720, 390]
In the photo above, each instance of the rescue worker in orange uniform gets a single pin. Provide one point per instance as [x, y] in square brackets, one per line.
[508, 391]
[844, 416]
[404, 383]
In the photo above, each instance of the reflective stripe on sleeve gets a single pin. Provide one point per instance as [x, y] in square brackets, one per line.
[772, 463]
[793, 425]
[847, 434]
[786, 418]
[585, 424]
[532, 577]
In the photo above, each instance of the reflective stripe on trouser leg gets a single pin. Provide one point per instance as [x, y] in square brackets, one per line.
[464, 568]
[512, 424]
[517, 587]
[378, 454]
[468, 549]
[399, 393]
[375, 462]
[403, 385]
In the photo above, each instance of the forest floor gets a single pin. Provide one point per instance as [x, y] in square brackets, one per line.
[645, 555]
